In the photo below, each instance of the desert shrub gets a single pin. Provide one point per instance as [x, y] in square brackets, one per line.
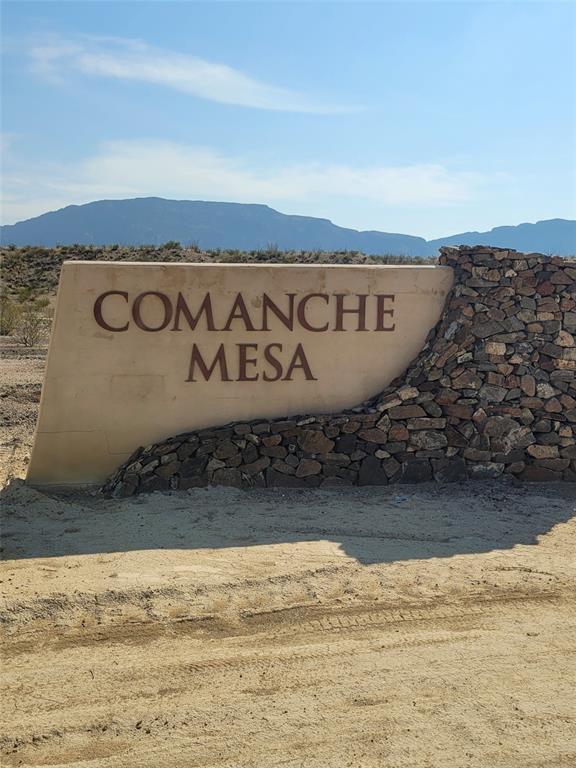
[32, 328]
[9, 315]
[226, 257]
[33, 322]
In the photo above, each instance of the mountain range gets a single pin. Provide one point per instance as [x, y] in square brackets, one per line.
[210, 225]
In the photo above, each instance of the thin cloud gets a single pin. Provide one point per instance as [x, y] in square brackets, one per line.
[138, 168]
[125, 59]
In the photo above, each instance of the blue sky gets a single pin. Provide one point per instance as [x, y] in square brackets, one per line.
[426, 118]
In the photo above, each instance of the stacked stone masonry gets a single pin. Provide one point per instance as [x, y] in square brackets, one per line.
[493, 392]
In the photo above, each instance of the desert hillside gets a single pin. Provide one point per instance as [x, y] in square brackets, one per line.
[37, 269]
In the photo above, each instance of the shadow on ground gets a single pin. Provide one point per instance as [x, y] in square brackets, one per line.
[372, 525]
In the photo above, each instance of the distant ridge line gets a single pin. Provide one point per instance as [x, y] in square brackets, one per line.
[253, 226]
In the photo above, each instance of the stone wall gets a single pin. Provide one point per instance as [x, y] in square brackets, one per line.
[492, 392]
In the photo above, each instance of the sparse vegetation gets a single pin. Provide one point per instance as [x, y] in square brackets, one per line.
[33, 323]
[25, 316]
[9, 315]
[38, 268]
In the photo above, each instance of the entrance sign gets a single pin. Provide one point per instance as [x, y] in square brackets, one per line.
[142, 351]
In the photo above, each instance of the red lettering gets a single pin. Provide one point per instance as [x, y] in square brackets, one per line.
[274, 362]
[287, 320]
[299, 361]
[138, 317]
[360, 311]
[381, 311]
[98, 311]
[244, 362]
[219, 359]
[192, 320]
[239, 312]
[302, 312]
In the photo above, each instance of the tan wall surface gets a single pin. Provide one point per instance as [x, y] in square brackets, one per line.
[106, 392]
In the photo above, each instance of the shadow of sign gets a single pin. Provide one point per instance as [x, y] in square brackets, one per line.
[371, 525]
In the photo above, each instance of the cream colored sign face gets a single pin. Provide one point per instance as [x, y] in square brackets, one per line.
[140, 352]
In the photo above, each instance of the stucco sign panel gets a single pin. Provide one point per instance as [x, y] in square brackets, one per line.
[143, 351]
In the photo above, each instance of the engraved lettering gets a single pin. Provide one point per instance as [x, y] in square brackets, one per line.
[244, 362]
[219, 360]
[274, 362]
[239, 312]
[192, 320]
[299, 361]
[381, 311]
[98, 311]
[302, 312]
[136, 311]
[285, 319]
[360, 311]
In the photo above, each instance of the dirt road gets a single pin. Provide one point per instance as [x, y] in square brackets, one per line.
[407, 626]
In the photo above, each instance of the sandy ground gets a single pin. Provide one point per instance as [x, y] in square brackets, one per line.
[419, 626]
